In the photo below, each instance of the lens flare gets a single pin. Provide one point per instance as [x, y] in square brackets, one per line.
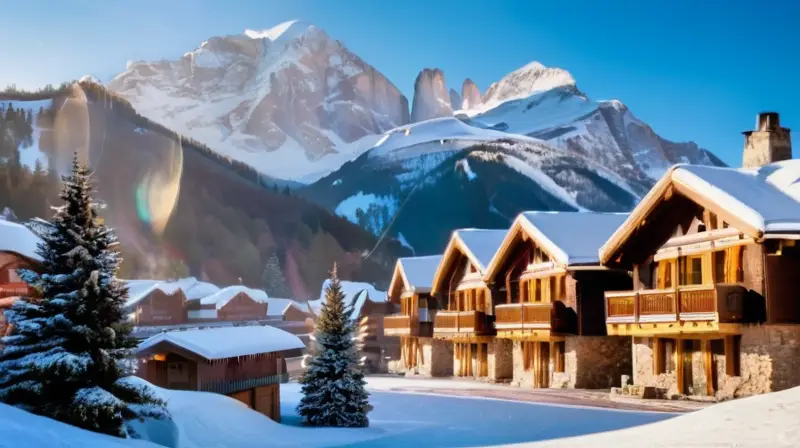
[71, 130]
[157, 193]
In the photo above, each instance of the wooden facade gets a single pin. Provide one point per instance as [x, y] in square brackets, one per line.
[465, 314]
[253, 379]
[158, 307]
[540, 299]
[702, 275]
[11, 285]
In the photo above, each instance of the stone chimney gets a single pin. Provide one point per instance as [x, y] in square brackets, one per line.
[768, 143]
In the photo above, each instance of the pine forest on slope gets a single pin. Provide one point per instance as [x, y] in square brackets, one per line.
[178, 207]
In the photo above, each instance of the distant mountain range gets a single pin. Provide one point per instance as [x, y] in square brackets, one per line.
[295, 104]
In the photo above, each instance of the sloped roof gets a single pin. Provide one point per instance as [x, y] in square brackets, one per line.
[191, 287]
[225, 295]
[572, 237]
[18, 239]
[277, 306]
[227, 342]
[352, 296]
[761, 202]
[481, 243]
[419, 271]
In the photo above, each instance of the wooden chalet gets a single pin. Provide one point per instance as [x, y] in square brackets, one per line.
[246, 363]
[466, 315]
[161, 304]
[548, 299]
[714, 307]
[409, 290]
[234, 303]
[17, 250]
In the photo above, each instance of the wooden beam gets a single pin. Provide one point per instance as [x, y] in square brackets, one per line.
[679, 365]
[707, 358]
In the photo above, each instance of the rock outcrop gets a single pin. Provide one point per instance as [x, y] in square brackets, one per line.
[470, 95]
[431, 99]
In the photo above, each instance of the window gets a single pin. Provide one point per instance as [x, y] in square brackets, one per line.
[719, 265]
[664, 274]
[558, 356]
[692, 270]
[537, 290]
[663, 355]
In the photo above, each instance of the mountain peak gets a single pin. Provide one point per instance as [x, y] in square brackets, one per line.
[286, 30]
[525, 81]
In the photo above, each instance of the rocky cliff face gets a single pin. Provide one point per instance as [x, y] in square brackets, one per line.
[289, 101]
[455, 100]
[470, 95]
[431, 98]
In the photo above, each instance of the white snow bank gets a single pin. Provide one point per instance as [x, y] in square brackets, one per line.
[277, 306]
[18, 239]
[228, 342]
[223, 296]
[22, 429]
[759, 421]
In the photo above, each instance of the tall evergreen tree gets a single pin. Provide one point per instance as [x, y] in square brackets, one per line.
[333, 386]
[70, 353]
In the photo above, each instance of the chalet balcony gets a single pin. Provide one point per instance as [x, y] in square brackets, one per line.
[462, 324]
[696, 304]
[522, 317]
[402, 325]
[15, 290]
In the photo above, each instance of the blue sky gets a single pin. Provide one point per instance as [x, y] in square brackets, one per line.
[696, 71]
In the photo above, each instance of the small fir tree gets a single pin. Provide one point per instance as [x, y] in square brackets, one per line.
[333, 385]
[273, 280]
[69, 354]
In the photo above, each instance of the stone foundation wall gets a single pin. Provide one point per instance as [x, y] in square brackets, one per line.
[501, 361]
[595, 362]
[435, 358]
[521, 377]
[769, 361]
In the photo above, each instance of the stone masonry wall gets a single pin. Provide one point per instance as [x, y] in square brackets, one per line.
[643, 373]
[521, 377]
[435, 359]
[596, 362]
[501, 362]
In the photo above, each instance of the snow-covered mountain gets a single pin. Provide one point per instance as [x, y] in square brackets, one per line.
[289, 101]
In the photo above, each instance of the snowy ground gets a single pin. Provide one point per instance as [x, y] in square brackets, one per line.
[416, 420]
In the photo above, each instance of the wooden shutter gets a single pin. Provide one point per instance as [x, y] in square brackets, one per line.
[707, 266]
[661, 274]
[545, 286]
[733, 258]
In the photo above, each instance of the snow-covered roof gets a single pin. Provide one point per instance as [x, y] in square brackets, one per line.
[571, 237]
[481, 244]
[277, 306]
[763, 202]
[192, 288]
[18, 239]
[223, 296]
[227, 342]
[418, 272]
[352, 295]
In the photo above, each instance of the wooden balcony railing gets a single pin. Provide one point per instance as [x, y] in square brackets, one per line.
[15, 290]
[719, 302]
[400, 325]
[450, 323]
[520, 316]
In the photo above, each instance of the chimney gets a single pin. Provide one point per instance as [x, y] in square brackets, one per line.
[768, 143]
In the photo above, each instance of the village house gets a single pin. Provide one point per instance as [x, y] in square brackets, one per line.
[714, 307]
[246, 363]
[234, 303]
[548, 299]
[410, 291]
[466, 316]
[17, 250]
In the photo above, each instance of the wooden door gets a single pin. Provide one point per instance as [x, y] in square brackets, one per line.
[687, 353]
[245, 396]
[266, 402]
[543, 374]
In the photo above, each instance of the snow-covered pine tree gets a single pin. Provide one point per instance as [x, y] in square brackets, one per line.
[333, 385]
[69, 354]
[273, 279]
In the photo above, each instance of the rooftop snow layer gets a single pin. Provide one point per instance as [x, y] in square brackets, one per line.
[223, 296]
[482, 243]
[228, 342]
[192, 288]
[419, 271]
[768, 197]
[572, 237]
[278, 307]
[351, 296]
[18, 239]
